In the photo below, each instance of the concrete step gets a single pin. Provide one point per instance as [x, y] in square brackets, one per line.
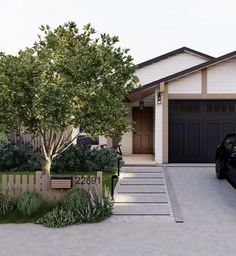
[142, 182]
[142, 169]
[142, 189]
[141, 198]
[141, 209]
[142, 175]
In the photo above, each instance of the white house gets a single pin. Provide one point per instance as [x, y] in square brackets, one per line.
[186, 104]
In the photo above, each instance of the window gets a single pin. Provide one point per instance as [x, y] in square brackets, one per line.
[229, 141]
[186, 108]
[220, 107]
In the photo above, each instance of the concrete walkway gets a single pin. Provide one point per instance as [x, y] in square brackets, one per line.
[142, 192]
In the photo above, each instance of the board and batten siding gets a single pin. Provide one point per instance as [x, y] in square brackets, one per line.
[167, 67]
[187, 84]
[127, 138]
[221, 78]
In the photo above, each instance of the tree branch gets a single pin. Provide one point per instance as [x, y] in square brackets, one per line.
[50, 137]
[65, 145]
[58, 142]
[43, 145]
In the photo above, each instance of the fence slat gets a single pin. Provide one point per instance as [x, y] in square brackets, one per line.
[18, 185]
[38, 182]
[31, 183]
[45, 186]
[24, 183]
[4, 183]
[11, 185]
[99, 185]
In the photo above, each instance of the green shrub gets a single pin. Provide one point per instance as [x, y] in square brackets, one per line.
[73, 159]
[95, 210]
[7, 203]
[81, 158]
[105, 160]
[77, 206]
[86, 206]
[29, 202]
[107, 204]
[57, 218]
[18, 157]
[74, 199]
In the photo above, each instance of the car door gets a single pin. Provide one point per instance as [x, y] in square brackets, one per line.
[232, 163]
[230, 155]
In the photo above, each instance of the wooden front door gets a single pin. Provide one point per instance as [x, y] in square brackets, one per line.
[143, 133]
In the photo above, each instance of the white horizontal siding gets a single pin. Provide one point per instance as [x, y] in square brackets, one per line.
[189, 84]
[167, 67]
[127, 138]
[221, 78]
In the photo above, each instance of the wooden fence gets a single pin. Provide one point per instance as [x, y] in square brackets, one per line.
[34, 140]
[14, 185]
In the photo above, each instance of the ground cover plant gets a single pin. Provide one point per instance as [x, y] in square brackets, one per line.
[77, 206]
[29, 203]
[7, 204]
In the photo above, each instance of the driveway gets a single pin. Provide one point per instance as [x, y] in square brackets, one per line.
[209, 211]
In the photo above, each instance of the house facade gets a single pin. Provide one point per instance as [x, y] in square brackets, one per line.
[185, 106]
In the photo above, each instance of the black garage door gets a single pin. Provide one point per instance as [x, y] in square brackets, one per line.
[196, 127]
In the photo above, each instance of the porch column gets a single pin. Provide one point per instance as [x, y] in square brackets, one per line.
[158, 129]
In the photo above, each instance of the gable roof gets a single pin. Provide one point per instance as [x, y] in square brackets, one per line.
[172, 53]
[149, 88]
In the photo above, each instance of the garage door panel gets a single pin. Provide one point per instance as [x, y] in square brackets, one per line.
[177, 136]
[196, 127]
[227, 128]
[212, 140]
[193, 142]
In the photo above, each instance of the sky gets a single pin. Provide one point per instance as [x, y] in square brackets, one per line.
[148, 28]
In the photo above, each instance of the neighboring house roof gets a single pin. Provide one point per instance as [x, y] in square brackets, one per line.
[149, 88]
[172, 53]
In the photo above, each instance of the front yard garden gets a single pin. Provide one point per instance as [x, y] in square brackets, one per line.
[76, 206]
[70, 82]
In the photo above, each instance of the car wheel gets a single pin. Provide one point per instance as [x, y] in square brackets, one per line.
[219, 169]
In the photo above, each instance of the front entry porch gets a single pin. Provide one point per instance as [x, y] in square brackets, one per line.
[139, 159]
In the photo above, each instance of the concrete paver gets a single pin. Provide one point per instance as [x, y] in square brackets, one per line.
[142, 209]
[142, 169]
[141, 198]
[142, 175]
[142, 189]
[149, 197]
[142, 181]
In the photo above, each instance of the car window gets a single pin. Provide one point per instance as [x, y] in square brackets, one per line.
[228, 142]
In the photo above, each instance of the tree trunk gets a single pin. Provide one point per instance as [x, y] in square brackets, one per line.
[46, 166]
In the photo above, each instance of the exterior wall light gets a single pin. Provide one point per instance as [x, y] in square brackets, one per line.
[159, 98]
[141, 104]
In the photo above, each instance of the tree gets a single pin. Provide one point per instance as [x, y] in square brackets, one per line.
[69, 78]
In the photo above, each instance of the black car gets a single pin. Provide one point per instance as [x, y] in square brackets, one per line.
[225, 159]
